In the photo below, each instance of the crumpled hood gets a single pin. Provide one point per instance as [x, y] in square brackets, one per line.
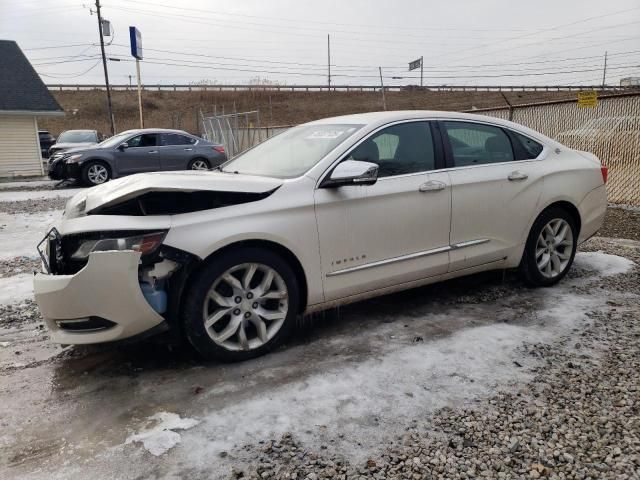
[68, 147]
[133, 186]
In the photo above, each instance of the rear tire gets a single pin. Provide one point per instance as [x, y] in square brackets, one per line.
[550, 248]
[199, 164]
[95, 173]
[241, 305]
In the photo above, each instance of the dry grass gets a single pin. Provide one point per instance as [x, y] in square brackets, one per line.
[180, 109]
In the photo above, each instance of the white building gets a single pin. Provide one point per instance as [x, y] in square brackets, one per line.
[630, 82]
[23, 98]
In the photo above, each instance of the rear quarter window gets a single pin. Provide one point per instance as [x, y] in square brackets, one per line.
[529, 149]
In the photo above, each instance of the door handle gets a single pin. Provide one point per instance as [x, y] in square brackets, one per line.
[432, 186]
[517, 176]
[153, 151]
[188, 149]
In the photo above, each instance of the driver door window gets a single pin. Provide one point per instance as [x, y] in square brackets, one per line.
[145, 140]
[141, 155]
[399, 150]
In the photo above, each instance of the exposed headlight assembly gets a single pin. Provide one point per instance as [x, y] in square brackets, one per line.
[72, 158]
[146, 244]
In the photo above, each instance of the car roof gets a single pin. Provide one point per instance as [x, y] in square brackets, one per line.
[154, 130]
[377, 119]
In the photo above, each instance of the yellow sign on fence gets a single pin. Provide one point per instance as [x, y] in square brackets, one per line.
[588, 99]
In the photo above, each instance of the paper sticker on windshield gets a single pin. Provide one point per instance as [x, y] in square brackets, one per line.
[325, 134]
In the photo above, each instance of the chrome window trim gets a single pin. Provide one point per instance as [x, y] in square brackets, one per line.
[411, 256]
[545, 147]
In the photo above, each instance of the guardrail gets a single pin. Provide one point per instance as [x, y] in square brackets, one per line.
[343, 88]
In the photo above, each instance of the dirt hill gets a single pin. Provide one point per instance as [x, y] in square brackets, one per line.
[169, 109]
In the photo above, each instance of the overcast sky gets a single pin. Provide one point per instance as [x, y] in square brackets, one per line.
[464, 42]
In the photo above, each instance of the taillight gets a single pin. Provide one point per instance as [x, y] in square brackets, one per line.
[219, 148]
[605, 173]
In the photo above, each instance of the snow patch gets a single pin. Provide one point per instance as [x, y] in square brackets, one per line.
[32, 183]
[604, 263]
[19, 234]
[15, 289]
[370, 399]
[14, 196]
[161, 437]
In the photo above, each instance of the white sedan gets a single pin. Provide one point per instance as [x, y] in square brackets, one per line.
[327, 213]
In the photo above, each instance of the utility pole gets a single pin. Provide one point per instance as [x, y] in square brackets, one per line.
[604, 72]
[421, 69]
[106, 74]
[139, 93]
[384, 101]
[329, 59]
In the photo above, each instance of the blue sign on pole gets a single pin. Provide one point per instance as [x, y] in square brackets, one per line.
[136, 42]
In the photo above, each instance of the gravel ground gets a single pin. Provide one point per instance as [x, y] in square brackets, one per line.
[33, 205]
[27, 188]
[17, 265]
[578, 418]
[17, 314]
[621, 223]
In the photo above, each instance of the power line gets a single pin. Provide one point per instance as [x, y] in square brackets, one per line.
[204, 65]
[75, 75]
[346, 67]
[557, 27]
[287, 29]
[59, 46]
[352, 25]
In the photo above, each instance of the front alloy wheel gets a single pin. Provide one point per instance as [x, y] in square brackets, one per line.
[241, 304]
[95, 174]
[245, 307]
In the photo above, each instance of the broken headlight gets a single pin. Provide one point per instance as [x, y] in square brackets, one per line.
[146, 244]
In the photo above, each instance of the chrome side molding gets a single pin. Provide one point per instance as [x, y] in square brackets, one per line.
[410, 256]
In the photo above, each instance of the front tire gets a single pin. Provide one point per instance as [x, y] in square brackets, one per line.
[241, 305]
[95, 173]
[550, 248]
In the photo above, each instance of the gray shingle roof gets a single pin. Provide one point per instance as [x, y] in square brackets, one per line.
[21, 89]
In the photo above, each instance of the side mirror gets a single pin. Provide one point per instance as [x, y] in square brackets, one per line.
[353, 172]
[123, 146]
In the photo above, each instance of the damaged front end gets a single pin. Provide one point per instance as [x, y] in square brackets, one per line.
[108, 286]
[109, 276]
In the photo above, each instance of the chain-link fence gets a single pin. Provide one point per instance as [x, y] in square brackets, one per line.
[236, 131]
[611, 130]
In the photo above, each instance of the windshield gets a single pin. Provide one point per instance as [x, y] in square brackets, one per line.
[291, 153]
[77, 136]
[114, 141]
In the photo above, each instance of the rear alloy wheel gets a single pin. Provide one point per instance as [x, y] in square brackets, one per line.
[95, 173]
[242, 306]
[553, 249]
[199, 164]
[550, 248]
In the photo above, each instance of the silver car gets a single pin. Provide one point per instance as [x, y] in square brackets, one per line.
[74, 139]
[136, 151]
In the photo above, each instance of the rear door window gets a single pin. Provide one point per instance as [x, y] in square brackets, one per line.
[167, 139]
[477, 144]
